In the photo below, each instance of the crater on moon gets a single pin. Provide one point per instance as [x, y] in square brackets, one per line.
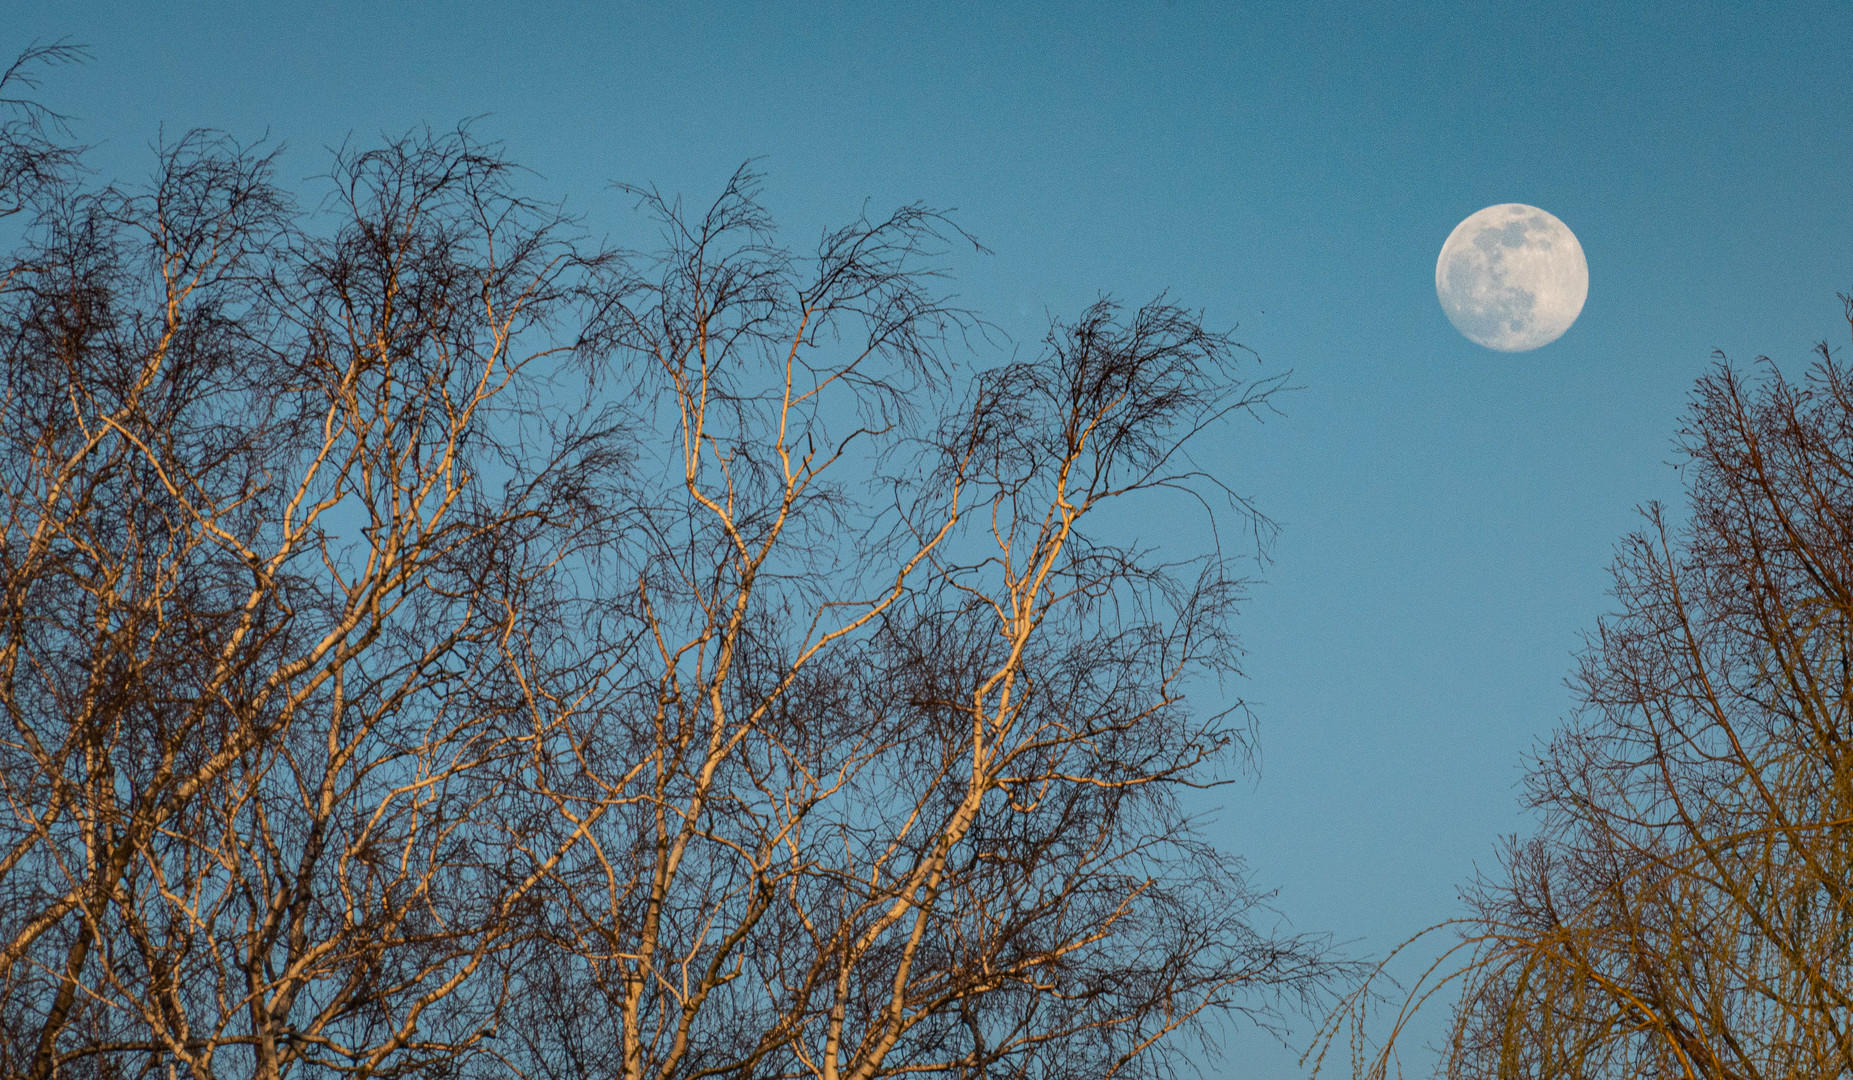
[1512, 277]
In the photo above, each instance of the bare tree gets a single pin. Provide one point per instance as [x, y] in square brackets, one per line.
[898, 798]
[435, 644]
[263, 549]
[1686, 909]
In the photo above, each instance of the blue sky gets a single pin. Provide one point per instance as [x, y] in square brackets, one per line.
[1447, 511]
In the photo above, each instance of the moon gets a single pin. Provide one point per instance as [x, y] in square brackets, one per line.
[1512, 277]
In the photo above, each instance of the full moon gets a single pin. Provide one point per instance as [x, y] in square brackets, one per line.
[1512, 277]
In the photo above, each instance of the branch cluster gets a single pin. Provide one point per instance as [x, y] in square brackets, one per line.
[435, 644]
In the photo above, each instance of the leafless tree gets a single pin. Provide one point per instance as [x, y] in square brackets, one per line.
[262, 553]
[437, 644]
[1686, 909]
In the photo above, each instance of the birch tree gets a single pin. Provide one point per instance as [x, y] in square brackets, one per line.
[436, 642]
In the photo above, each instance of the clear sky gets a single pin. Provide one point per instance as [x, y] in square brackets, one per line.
[1448, 512]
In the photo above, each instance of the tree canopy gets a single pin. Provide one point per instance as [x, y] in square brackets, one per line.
[434, 642]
